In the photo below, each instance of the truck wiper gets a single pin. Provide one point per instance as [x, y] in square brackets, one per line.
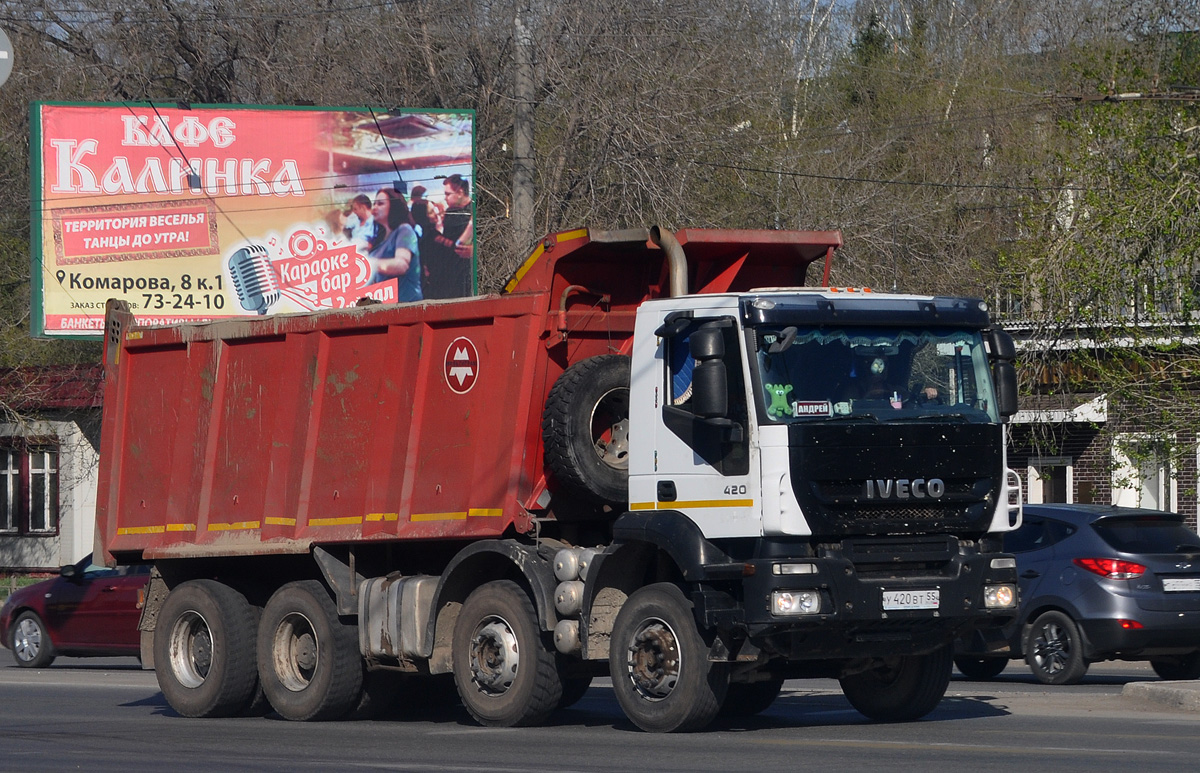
[949, 417]
[854, 416]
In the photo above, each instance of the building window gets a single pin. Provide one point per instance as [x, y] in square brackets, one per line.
[28, 490]
[1142, 474]
[1051, 479]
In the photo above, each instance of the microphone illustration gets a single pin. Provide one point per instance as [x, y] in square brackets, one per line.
[254, 278]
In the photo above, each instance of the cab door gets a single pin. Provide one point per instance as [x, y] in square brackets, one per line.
[702, 444]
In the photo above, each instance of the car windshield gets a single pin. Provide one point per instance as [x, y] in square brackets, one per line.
[1142, 534]
[881, 374]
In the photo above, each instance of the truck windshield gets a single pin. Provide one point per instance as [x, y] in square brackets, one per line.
[876, 374]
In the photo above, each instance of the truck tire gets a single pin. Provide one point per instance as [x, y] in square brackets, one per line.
[1054, 649]
[573, 690]
[204, 650]
[659, 663]
[308, 659]
[585, 429]
[750, 699]
[505, 674]
[902, 688]
[978, 668]
[378, 693]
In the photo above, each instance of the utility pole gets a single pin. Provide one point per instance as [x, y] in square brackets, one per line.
[523, 162]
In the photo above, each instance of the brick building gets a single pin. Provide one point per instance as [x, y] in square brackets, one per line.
[49, 441]
[1076, 449]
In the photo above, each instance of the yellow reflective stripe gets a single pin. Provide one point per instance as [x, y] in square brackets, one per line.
[524, 269]
[415, 517]
[694, 504]
[273, 521]
[567, 236]
[351, 521]
[239, 525]
[383, 516]
[140, 530]
[156, 529]
[477, 512]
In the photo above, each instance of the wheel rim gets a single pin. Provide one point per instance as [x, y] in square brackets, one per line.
[610, 428]
[296, 652]
[27, 640]
[1052, 649]
[654, 659]
[495, 655]
[190, 650]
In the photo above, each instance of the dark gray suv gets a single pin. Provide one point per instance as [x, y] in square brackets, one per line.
[1098, 583]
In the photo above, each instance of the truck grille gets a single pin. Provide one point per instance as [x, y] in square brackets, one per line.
[899, 514]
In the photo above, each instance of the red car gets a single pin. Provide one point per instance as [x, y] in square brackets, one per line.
[86, 611]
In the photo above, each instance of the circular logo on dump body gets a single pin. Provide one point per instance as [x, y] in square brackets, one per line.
[462, 365]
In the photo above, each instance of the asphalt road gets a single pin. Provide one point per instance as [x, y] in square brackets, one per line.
[107, 714]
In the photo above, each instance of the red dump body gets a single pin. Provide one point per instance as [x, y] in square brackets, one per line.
[383, 422]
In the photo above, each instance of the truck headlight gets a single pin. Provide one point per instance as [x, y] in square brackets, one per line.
[999, 596]
[795, 602]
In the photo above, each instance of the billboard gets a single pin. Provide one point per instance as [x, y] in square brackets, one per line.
[192, 213]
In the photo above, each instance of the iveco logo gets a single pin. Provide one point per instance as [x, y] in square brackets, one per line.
[1183, 566]
[905, 488]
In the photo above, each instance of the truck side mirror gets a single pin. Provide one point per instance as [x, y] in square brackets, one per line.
[1001, 345]
[710, 386]
[1005, 376]
[1003, 352]
[710, 390]
[707, 343]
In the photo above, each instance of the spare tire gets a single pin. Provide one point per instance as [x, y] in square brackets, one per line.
[585, 429]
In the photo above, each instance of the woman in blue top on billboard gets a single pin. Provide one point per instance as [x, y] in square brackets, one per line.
[397, 256]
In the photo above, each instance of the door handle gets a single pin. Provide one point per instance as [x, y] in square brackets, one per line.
[666, 491]
[1029, 574]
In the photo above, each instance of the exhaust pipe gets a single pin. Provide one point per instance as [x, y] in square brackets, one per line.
[676, 260]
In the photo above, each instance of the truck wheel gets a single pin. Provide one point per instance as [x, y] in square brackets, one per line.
[980, 669]
[1054, 650]
[901, 688]
[506, 676]
[378, 693]
[573, 690]
[308, 658]
[659, 663]
[585, 429]
[30, 644]
[1177, 668]
[204, 650]
[750, 699]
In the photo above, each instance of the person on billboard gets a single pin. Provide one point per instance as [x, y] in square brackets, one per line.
[458, 227]
[398, 255]
[361, 226]
[435, 209]
[441, 263]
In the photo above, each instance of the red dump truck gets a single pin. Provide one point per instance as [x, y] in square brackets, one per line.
[654, 456]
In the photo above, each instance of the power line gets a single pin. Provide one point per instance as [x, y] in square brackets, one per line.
[876, 181]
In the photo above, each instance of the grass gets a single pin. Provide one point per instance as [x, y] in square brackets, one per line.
[10, 583]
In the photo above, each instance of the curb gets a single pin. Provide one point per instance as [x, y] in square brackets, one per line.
[1176, 695]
